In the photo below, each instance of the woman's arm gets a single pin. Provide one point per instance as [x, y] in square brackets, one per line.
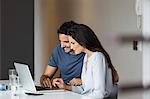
[99, 73]
[60, 83]
[76, 89]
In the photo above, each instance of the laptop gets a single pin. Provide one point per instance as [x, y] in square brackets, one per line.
[27, 81]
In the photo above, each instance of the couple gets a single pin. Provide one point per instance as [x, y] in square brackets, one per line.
[97, 79]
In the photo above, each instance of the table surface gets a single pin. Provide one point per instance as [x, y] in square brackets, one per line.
[48, 95]
[51, 95]
[71, 95]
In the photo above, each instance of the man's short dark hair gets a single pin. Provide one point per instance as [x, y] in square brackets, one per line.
[65, 26]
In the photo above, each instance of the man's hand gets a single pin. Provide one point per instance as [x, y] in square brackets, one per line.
[58, 82]
[75, 82]
[45, 81]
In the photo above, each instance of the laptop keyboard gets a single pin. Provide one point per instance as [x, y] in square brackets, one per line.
[40, 88]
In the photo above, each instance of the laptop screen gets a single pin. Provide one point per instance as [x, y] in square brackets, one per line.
[25, 77]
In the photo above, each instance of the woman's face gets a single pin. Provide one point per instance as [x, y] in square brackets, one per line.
[75, 46]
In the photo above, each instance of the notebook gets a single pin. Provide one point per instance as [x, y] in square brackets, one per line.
[27, 81]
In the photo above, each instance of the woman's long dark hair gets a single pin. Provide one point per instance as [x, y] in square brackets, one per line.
[87, 38]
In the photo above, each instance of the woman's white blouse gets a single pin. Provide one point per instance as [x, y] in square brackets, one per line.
[96, 77]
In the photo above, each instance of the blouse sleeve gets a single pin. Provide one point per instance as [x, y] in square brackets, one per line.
[99, 73]
[77, 89]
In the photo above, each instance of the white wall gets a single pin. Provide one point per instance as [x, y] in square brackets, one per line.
[0, 38]
[106, 17]
[45, 34]
[146, 46]
[109, 19]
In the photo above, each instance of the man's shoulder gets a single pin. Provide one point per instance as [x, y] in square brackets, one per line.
[57, 49]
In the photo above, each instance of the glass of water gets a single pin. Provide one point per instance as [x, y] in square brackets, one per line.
[13, 80]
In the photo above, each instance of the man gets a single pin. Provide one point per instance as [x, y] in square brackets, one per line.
[62, 58]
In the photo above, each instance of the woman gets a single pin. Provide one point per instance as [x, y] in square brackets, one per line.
[96, 74]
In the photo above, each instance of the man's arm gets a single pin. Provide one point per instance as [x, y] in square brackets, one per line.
[45, 79]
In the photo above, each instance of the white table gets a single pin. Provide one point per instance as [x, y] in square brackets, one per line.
[50, 95]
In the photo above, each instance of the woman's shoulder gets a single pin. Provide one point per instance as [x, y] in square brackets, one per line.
[98, 59]
[98, 54]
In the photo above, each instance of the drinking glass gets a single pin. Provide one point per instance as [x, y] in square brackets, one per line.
[13, 80]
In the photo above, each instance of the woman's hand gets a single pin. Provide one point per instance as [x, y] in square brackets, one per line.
[75, 82]
[58, 82]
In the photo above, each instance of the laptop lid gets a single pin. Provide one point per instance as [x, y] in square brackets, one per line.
[27, 81]
[25, 77]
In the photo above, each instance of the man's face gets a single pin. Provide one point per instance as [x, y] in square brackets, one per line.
[64, 41]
